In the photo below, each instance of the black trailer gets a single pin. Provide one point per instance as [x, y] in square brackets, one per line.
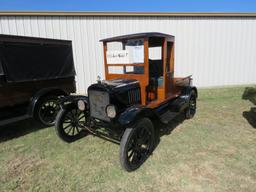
[34, 73]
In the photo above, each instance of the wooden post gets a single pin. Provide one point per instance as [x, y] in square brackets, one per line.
[145, 82]
[105, 59]
[164, 59]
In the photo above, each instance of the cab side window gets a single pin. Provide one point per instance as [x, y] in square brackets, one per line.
[155, 62]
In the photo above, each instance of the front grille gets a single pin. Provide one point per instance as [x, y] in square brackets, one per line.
[134, 96]
[98, 101]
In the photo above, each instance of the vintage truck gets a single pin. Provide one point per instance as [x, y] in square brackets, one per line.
[34, 73]
[140, 89]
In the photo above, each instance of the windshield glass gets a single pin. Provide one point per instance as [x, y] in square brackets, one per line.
[128, 52]
[126, 57]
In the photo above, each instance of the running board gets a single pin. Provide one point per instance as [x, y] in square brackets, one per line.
[168, 116]
[14, 119]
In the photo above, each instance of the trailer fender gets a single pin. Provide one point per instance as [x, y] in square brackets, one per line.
[43, 92]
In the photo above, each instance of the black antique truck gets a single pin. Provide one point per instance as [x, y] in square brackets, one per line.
[140, 90]
[34, 73]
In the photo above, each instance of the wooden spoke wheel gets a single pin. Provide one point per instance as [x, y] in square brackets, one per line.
[137, 144]
[70, 123]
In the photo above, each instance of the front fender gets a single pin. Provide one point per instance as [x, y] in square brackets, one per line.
[131, 114]
[72, 99]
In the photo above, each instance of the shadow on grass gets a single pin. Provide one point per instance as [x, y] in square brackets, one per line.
[166, 129]
[250, 116]
[18, 129]
[22, 128]
[250, 94]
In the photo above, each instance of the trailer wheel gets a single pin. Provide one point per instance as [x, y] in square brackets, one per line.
[191, 110]
[69, 123]
[47, 109]
[137, 144]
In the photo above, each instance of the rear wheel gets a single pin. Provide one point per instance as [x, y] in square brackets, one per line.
[70, 122]
[191, 110]
[137, 144]
[47, 110]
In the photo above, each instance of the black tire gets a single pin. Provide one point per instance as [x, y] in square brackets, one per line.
[137, 144]
[191, 110]
[69, 124]
[47, 109]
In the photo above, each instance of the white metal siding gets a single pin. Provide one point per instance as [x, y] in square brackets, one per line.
[217, 51]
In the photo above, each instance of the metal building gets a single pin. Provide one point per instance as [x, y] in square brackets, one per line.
[218, 49]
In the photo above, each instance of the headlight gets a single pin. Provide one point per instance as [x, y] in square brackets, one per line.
[81, 105]
[111, 111]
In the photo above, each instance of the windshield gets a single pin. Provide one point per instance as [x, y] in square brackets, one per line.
[126, 57]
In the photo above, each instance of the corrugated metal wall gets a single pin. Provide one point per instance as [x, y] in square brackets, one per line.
[217, 51]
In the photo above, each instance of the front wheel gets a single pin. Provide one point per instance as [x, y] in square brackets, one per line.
[69, 123]
[137, 144]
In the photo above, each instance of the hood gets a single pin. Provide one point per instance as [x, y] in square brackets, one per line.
[115, 85]
[122, 92]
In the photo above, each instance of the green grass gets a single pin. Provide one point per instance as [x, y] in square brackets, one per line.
[214, 151]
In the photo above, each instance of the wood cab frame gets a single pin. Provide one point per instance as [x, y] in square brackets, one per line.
[151, 97]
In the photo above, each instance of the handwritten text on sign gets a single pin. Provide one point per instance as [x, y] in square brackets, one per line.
[118, 57]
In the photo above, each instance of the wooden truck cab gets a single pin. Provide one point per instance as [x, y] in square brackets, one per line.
[148, 58]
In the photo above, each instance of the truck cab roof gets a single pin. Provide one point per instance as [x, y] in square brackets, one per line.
[138, 35]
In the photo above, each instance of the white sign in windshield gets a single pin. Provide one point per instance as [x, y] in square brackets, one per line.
[118, 57]
[132, 55]
[132, 52]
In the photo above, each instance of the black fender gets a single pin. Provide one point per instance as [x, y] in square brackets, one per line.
[133, 113]
[73, 99]
[185, 92]
[185, 95]
[195, 89]
[182, 102]
[43, 92]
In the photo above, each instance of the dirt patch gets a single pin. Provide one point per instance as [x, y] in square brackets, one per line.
[20, 170]
[204, 171]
